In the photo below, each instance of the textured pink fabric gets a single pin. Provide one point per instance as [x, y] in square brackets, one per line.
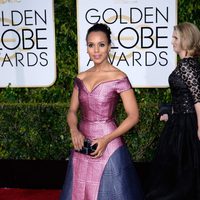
[97, 109]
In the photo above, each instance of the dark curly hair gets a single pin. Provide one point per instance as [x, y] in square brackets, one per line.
[100, 27]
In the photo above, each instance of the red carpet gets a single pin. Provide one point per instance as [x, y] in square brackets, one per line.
[28, 194]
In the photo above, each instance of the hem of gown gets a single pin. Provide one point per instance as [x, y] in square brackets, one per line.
[175, 169]
[119, 180]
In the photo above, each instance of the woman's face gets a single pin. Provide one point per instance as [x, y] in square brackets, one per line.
[176, 42]
[98, 47]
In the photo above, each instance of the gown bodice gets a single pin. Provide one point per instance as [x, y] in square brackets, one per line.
[185, 85]
[100, 103]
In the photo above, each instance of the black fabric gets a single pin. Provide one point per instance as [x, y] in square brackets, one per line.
[165, 108]
[185, 85]
[175, 170]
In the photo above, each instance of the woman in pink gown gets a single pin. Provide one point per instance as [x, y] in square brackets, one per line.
[107, 173]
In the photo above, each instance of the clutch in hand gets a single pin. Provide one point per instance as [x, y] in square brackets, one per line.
[87, 147]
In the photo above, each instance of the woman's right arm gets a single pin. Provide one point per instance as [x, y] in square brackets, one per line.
[72, 120]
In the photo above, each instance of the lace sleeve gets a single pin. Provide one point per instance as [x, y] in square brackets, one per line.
[190, 73]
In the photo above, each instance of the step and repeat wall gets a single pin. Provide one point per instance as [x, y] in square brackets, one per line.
[27, 46]
[141, 37]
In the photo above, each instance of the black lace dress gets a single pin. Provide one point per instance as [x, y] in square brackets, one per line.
[175, 171]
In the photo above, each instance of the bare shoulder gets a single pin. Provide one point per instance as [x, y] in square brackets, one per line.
[118, 74]
[83, 75]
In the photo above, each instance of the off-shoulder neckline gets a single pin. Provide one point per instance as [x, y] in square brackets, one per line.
[100, 83]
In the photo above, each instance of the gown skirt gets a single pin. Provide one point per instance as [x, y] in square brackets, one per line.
[110, 177]
[175, 170]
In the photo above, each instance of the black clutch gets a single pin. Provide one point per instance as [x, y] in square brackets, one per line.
[87, 147]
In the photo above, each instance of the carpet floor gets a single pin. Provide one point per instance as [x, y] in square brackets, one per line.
[29, 194]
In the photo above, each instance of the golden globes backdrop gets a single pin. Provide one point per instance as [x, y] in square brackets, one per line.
[141, 37]
[27, 46]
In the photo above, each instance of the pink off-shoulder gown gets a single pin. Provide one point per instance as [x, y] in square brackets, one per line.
[112, 176]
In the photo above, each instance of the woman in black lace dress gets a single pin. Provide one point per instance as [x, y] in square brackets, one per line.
[175, 172]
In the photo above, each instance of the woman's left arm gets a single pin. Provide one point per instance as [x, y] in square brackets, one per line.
[132, 111]
[131, 108]
[197, 108]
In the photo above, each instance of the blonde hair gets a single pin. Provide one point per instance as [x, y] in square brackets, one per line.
[190, 38]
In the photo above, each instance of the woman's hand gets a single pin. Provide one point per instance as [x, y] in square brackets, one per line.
[101, 146]
[77, 139]
[164, 117]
